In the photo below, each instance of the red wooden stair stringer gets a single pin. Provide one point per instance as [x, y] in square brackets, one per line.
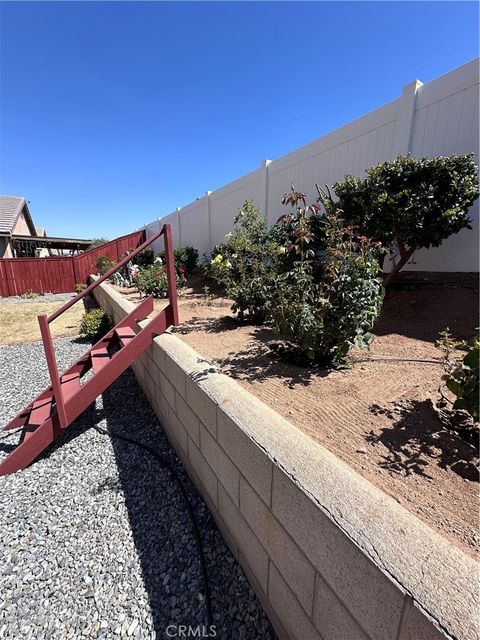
[60, 404]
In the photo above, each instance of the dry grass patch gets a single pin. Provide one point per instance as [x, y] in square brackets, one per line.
[18, 322]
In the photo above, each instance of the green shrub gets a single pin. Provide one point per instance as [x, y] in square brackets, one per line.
[95, 324]
[104, 264]
[153, 280]
[409, 204]
[246, 262]
[79, 287]
[145, 258]
[184, 258]
[329, 298]
[462, 376]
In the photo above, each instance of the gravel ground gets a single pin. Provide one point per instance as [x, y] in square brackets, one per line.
[94, 538]
[46, 297]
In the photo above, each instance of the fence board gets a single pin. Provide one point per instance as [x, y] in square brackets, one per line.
[42, 275]
[59, 274]
[4, 290]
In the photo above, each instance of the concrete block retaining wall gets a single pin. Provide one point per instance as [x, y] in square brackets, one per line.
[330, 556]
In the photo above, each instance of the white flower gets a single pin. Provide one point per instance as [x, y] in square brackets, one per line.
[158, 259]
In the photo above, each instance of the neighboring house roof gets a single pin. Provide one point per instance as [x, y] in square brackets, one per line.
[10, 209]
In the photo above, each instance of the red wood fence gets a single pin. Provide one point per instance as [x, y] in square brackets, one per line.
[60, 274]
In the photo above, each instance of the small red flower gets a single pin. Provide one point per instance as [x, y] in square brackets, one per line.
[182, 270]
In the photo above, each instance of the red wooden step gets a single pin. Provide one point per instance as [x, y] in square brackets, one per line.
[125, 335]
[70, 385]
[41, 410]
[100, 358]
[22, 418]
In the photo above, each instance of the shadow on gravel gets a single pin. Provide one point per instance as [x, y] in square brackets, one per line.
[162, 531]
[79, 426]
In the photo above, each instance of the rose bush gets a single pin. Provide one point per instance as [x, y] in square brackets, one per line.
[246, 262]
[153, 279]
[329, 295]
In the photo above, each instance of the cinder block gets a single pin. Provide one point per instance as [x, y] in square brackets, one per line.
[176, 375]
[150, 384]
[288, 609]
[202, 405]
[167, 390]
[156, 407]
[161, 402]
[256, 466]
[179, 351]
[418, 627]
[232, 545]
[143, 358]
[166, 422]
[188, 419]
[372, 599]
[152, 369]
[138, 370]
[148, 387]
[248, 544]
[297, 571]
[177, 430]
[221, 464]
[158, 356]
[331, 618]
[207, 478]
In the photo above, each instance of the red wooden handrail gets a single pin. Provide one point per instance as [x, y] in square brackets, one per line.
[107, 275]
[44, 321]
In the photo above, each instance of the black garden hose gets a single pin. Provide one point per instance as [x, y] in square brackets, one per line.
[173, 474]
[196, 532]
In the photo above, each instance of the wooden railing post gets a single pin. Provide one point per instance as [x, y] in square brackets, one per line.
[171, 274]
[52, 369]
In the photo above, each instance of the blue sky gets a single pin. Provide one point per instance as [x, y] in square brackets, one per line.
[113, 114]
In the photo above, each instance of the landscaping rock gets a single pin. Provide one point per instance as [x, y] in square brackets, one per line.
[95, 538]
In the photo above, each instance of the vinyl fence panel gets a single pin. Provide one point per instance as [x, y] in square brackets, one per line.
[437, 118]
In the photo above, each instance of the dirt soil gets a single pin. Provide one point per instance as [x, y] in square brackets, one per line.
[381, 416]
[18, 322]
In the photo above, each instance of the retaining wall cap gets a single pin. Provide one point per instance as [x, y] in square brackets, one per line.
[434, 572]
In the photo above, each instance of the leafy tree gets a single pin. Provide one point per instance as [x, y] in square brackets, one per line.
[97, 242]
[410, 204]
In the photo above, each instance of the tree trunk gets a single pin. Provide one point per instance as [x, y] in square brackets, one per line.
[405, 255]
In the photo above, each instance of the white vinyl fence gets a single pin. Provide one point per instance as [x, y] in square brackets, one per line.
[439, 118]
